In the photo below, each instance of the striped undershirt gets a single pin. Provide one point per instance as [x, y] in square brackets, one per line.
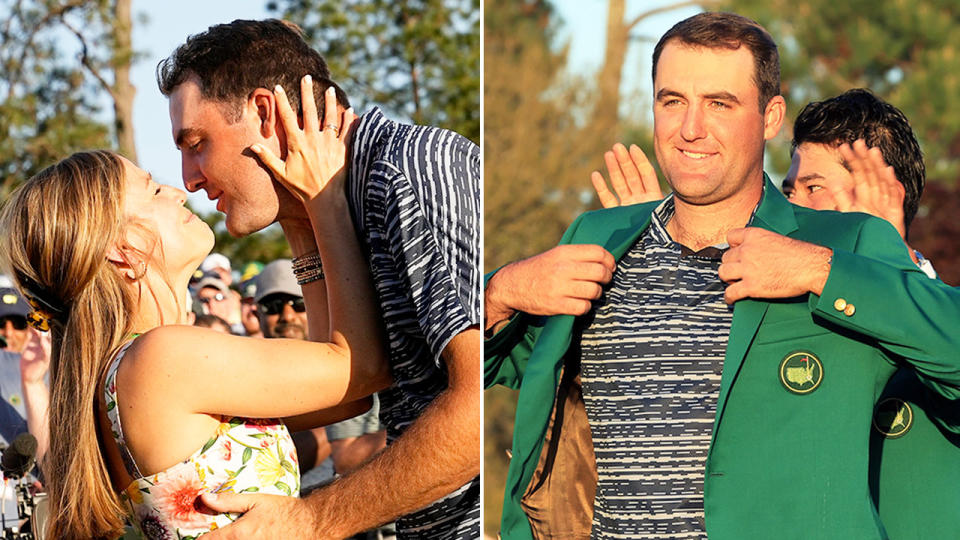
[414, 194]
[651, 358]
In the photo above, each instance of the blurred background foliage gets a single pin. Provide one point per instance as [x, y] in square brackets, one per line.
[546, 126]
[65, 78]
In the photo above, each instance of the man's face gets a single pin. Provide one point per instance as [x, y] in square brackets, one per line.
[215, 302]
[13, 329]
[814, 170]
[282, 315]
[708, 130]
[216, 157]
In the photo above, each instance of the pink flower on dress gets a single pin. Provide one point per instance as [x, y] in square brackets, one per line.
[259, 425]
[227, 451]
[175, 495]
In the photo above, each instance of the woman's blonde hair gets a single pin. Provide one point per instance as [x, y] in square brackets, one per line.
[58, 229]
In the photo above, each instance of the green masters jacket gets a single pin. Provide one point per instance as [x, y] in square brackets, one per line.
[789, 454]
[915, 460]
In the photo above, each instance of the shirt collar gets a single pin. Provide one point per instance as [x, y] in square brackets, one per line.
[657, 232]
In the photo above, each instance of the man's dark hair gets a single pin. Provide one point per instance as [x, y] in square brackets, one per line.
[729, 31]
[232, 60]
[858, 114]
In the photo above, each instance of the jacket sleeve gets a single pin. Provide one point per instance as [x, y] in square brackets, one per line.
[877, 291]
[506, 352]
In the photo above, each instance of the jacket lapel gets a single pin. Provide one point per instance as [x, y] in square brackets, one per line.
[775, 214]
[615, 229]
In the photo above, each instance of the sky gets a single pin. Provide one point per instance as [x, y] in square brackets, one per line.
[167, 25]
[585, 23]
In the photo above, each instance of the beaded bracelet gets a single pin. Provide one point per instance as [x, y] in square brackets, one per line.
[307, 268]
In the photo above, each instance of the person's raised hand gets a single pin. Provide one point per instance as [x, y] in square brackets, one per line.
[632, 177]
[562, 281]
[764, 264]
[316, 157]
[35, 358]
[876, 189]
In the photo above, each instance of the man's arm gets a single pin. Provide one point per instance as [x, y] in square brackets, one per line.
[352, 452]
[312, 447]
[437, 454]
[875, 292]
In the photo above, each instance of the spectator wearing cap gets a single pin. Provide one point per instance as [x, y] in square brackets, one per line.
[216, 298]
[24, 363]
[219, 265]
[13, 320]
[280, 302]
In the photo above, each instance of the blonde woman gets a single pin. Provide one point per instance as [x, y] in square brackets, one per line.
[147, 413]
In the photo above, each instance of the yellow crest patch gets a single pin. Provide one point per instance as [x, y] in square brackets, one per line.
[801, 372]
[893, 417]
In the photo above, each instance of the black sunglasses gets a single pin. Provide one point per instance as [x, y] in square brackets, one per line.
[273, 306]
[19, 323]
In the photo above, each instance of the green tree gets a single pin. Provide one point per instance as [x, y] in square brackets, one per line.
[540, 142]
[418, 59]
[58, 61]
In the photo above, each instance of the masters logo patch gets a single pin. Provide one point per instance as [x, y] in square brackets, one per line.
[893, 417]
[801, 372]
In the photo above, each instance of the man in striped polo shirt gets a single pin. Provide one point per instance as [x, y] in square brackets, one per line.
[414, 194]
[708, 410]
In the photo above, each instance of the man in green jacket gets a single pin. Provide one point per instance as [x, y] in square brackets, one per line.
[840, 153]
[771, 438]
[915, 440]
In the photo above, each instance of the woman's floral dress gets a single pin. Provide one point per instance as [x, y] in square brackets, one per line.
[243, 456]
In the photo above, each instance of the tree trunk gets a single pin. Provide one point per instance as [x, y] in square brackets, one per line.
[608, 81]
[123, 90]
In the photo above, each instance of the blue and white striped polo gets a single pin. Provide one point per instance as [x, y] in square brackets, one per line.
[652, 356]
[414, 194]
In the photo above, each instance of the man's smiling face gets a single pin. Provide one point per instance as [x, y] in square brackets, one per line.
[709, 131]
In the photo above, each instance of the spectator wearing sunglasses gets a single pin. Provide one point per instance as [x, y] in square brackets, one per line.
[280, 302]
[216, 298]
[23, 369]
[13, 320]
